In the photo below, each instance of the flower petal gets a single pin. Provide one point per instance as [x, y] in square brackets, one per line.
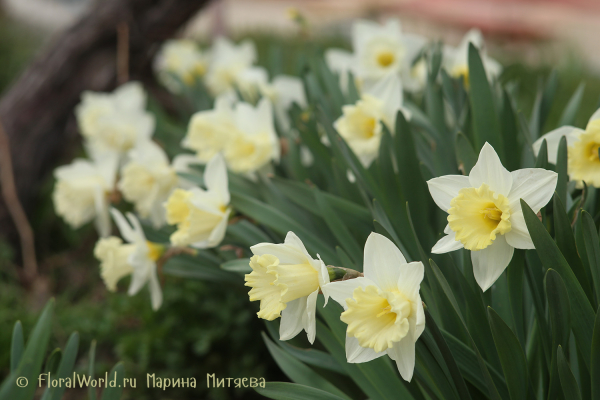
[445, 188]
[553, 140]
[595, 115]
[403, 353]
[534, 185]
[342, 290]
[447, 243]
[291, 319]
[215, 177]
[489, 169]
[126, 230]
[308, 318]
[382, 262]
[155, 291]
[518, 236]
[410, 278]
[420, 322]
[286, 253]
[357, 354]
[489, 263]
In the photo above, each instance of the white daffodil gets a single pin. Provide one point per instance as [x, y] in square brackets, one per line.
[283, 91]
[210, 130]
[201, 215]
[456, 59]
[378, 50]
[286, 280]
[582, 150]
[383, 309]
[254, 143]
[82, 190]
[361, 124]
[114, 122]
[485, 213]
[228, 60]
[180, 61]
[136, 258]
[148, 179]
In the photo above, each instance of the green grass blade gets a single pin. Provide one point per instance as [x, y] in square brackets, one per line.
[567, 379]
[294, 391]
[16, 346]
[116, 374]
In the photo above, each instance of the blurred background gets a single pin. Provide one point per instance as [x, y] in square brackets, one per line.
[202, 327]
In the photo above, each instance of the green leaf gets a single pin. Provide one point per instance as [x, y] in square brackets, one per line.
[32, 359]
[581, 310]
[192, 267]
[314, 357]
[558, 308]
[570, 112]
[16, 346]
[486, 125]
[247, 232]
[592, 247]
[293, 391]
[116, 374]
[66, 366]
[510, 134]
[298, 371]
[465, 154]
[514, 276]
[91, 370]
[512, 358]
[561, 169]
[52, 361]
[595, 358]
[240, 266]
[567, 379]
[542, 156]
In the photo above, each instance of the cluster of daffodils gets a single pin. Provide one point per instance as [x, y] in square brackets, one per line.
[382, 308]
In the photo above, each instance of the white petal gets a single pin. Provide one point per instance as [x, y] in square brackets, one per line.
[489, 170]
[382, 262]
[126, 230]
[289, 89]
[338, 60]
[410, 278]
[155, 291]
[447, 244]
[518, 236]
[139, 277]
[553, 140]
[420, 322]
[534, 185]
[291, 318]
[215, 177]
[595, 115]
[489, 263]
[287, 254]
[445, 188]
[342, 290]
[137, 228]
[389, 90]
[308, 318]
[216, 235]
[293, 240]
[357, 354]
[403, 353]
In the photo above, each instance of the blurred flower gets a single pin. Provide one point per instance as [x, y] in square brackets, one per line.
[201, 215]
[114, 122]
[147, 180]
[210, 130]
[582, 148]
[361, 124]
[286, 280]
[82, 189]
[180, 61]
[284, 91]
[485, 213]
[378, 51]
[383, 309]
[456, 59]
[137, 258]
[255, 142]
[228, 60]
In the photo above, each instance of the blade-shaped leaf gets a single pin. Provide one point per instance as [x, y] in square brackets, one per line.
[16, 346]
[294, 391]
[567, 379]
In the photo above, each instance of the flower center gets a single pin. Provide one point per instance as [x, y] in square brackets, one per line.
[592, 151]
[583, 161]
[385, 58]
[276, 284]
[461, 71]
[155, 250]
[375, 318]
[477, 215]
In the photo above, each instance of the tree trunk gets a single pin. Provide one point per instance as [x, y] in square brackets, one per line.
[36, 109]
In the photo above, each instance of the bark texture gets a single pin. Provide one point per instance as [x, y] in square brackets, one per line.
[35, 111]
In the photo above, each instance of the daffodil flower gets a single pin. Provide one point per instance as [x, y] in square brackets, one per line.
[456, 59]
[582, 150]
[228, 60]
[286, 280]
[148, 179]
[136, 258]
[114, 122]
[383, 309]
[180, 61]
[378, 50]
[82, 189]
[361, 124]
[201, 215]
[484, 212]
